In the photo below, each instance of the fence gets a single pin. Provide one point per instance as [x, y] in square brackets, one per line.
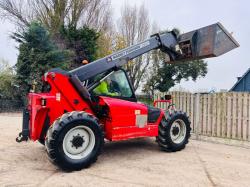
[223, 115]
[10, 105]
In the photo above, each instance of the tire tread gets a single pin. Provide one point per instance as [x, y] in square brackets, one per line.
[54, 132]
[164, 139]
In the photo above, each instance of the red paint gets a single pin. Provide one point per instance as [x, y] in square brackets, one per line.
[162, 101]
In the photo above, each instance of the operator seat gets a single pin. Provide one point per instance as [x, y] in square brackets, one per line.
[85, 95]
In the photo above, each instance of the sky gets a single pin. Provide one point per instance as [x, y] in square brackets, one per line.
[186, 15]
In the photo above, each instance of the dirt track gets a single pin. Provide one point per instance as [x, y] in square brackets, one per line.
[129, 163]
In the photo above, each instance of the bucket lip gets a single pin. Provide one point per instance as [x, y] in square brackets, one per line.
[228, 34]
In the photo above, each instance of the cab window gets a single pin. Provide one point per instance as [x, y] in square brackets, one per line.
[116, 84]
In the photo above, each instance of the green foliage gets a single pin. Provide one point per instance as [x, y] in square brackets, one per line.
[171, 74]
[82, 41]
[163, 76]
[37, 54]
[7, 89]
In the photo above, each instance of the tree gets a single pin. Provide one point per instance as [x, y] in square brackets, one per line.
[83, 43]
[73, 24]
[7, 89]
[37, 54]
[134, 26]
[164, 75]
[173, 73]
[16, 12]
[152, 74]
[57, 13]
[104, 45]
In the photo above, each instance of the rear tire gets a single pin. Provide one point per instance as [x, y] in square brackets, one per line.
[174, 131]
[74, 141]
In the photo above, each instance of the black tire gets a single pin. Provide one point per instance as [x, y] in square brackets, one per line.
[164, 139]
[57, 132]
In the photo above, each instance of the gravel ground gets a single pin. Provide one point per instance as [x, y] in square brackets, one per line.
[129, 163]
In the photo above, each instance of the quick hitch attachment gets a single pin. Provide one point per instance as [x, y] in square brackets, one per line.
[24, 135]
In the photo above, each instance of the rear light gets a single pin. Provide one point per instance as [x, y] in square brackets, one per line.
[43, 102]
[58, 96]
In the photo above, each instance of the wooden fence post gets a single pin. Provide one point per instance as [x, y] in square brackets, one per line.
[197, 115]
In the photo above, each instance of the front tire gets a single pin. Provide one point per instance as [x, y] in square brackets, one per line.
[41, 141]
[74, 141]
[174, 131]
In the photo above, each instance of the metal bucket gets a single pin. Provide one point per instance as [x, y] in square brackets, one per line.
[210, 41]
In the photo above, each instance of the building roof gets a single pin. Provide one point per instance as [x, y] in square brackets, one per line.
[239, 80]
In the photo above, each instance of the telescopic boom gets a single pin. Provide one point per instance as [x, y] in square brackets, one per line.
[206, 42]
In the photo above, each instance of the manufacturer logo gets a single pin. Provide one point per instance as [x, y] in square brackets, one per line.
[128, 51]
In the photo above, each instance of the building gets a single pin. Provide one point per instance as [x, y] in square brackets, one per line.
[243, 83]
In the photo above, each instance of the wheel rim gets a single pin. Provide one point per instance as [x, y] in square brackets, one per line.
[178, 131]
[78, 142]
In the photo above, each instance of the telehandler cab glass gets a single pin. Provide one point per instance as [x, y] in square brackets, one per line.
[115, 84]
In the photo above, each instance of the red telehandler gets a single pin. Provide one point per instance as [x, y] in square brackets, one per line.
[73, 116]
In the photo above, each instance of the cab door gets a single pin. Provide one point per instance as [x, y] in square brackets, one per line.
[127, 118]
